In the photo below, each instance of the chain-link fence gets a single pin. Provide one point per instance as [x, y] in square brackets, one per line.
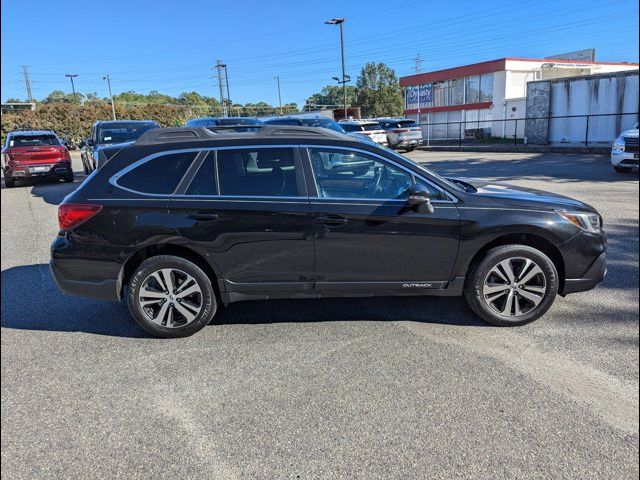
[597, 130]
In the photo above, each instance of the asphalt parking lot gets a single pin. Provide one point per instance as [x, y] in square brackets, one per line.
[340, 388]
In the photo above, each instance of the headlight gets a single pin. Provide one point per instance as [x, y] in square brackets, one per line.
[591, 222]
[618, 146]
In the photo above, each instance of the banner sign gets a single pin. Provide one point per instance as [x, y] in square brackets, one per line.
[418, 96]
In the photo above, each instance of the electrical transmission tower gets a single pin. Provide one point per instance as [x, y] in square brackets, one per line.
[418, 63]
[27, 82]
[223, 85]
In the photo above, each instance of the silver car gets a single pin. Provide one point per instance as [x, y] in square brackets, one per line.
[402, 133]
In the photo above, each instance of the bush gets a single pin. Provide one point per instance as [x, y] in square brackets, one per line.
[75, 121]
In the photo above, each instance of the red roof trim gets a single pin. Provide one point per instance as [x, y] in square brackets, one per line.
[452, 108]
[487, 67]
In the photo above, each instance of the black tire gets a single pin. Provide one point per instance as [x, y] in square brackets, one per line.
[622, 169]
[9, 181]
[85, 169]
[480, 271]
[154, 264]
[411, 148]
[68, 178]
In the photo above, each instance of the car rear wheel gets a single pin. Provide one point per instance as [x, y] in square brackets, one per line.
[171, 297]
[411, 148]
[619, 169]
[68, 177]
[512, 285]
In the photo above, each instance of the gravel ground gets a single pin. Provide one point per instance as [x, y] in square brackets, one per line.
[336, 388]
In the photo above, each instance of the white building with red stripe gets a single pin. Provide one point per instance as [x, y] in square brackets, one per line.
[487, 93]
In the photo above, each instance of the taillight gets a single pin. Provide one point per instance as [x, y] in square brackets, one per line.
[71, 215]
[400, 130]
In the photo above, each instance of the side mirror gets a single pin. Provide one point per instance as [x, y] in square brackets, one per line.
[418, 199]
[89, 142]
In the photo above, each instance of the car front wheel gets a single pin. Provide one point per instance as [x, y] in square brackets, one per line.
[512, 285]
[171, 297]
[622, 169]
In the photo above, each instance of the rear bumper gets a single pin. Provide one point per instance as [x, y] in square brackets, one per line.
[591, 279]
[24, 171]
[101, 290]
[82, 277]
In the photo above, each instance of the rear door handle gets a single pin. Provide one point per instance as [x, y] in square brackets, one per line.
[331, 220]
[203, 215]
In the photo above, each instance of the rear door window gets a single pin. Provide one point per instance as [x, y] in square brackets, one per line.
[160, 175]
[253, 172]
[204, 182]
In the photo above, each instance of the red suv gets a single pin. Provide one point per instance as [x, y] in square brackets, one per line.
[34, 154]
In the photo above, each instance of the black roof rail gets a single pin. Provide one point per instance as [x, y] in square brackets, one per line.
[175, 134]
[190, 134]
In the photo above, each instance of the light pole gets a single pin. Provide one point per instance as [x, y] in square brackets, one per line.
[345, 77]
[277, 79]
[113, 107]
[73, 87]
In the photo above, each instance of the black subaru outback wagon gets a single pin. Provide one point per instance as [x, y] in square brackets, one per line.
[185, 220]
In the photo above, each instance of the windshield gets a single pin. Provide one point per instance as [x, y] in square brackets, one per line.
[368, 127]
[407, 123]
[33, 140]
[322, 122]
[122, 133]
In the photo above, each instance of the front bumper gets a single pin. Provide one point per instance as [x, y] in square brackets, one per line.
[624, 159]
[593, 277]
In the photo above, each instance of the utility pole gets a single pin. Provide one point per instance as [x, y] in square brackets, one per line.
[345, 77]
[221, 85]
[71, 76]
[27, 82]
[418, 64]
[113, 107]
[277, 79]
[226, 81]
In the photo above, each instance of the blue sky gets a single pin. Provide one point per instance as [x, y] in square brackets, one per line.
[170, 46]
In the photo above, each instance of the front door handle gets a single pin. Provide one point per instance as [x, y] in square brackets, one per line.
[203, 215]
[331, 220]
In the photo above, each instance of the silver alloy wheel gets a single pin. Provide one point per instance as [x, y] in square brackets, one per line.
[170, 298]
[514, 287]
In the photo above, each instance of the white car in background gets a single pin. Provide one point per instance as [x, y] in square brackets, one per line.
[624, 152]
[369, 128]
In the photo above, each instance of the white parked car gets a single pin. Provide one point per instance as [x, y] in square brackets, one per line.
[624, 152]
[369, 128]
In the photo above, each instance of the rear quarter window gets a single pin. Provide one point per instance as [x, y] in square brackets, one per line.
[160, 175]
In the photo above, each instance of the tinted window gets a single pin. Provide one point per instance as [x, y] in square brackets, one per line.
[322, 122]
[158, 175]
[33, 140]
[204, 182]
[350, 174]
[407, 123]
[371, 126]
[115, 133]
[351, 128]
[239, 121]
[283, 121]
[257, 172]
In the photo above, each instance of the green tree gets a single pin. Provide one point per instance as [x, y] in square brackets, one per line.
[379, 91]
[333, 95]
